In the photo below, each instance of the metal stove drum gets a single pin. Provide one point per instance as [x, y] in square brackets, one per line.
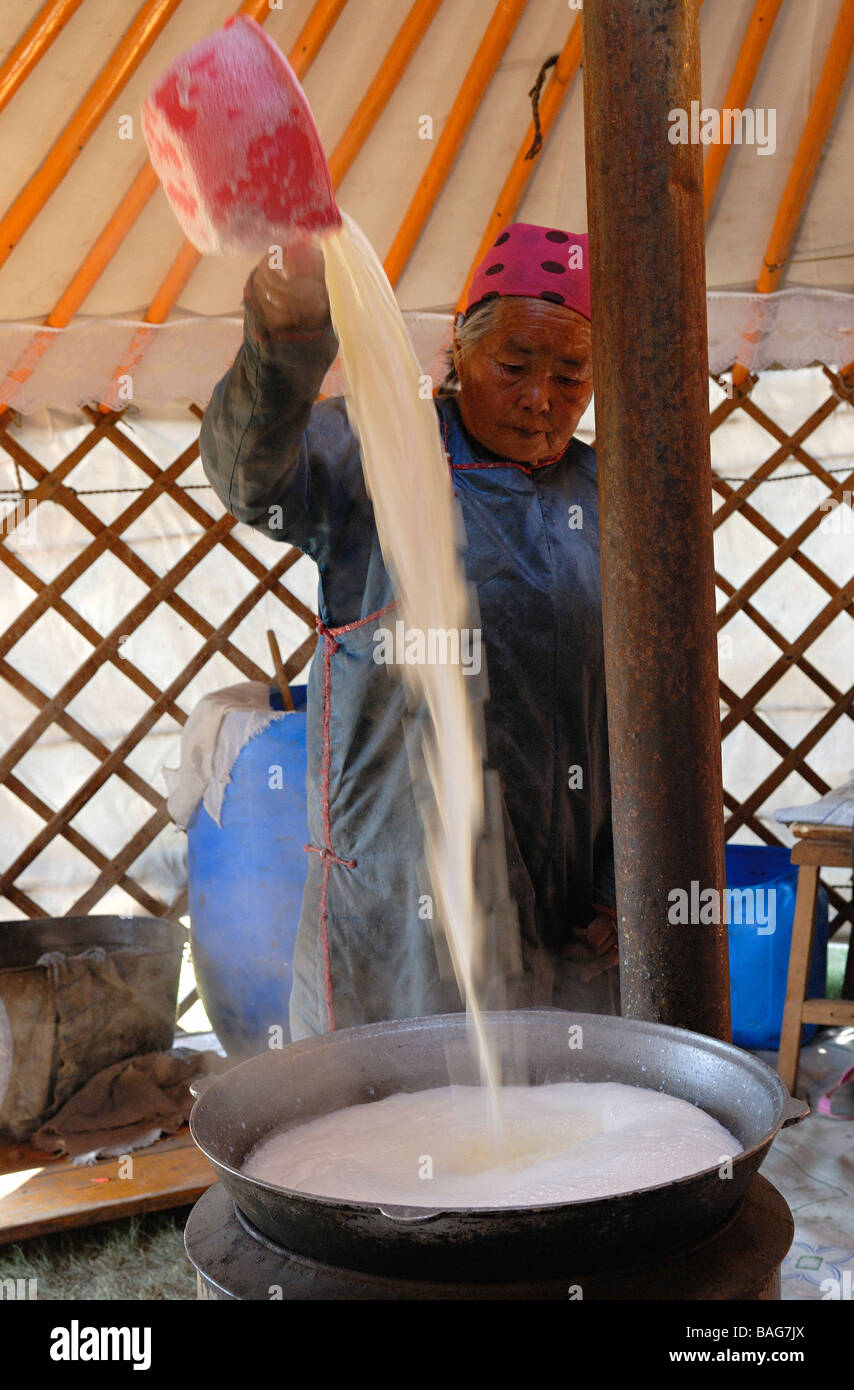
[701, 1237]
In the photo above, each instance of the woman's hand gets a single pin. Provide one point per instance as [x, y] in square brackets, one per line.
[593, 949]
[293, 299]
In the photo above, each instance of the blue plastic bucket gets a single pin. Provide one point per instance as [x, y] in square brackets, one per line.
[246, 880]
[759, 957]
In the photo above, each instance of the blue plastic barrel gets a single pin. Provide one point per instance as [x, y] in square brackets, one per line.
[759, 958]
[246, 880]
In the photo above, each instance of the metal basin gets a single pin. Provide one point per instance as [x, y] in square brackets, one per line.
[358, 1065]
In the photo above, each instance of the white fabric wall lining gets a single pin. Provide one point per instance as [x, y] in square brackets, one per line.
[109, 705]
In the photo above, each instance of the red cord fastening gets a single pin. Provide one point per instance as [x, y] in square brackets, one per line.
[324, 631]
[330, 855]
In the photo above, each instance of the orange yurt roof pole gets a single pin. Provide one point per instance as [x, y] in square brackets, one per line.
[802, 173]
[744, 74]
[490, 51]
[97, 259]
[389, 73]
[313, 34]
[111, 80]
[47, 25]
[523, 167]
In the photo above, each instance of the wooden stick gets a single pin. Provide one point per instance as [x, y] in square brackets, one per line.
[287, 697]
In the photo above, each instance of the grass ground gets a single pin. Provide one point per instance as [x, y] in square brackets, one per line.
[141, 1257]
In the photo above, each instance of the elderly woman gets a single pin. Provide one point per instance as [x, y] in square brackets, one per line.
[520, 381]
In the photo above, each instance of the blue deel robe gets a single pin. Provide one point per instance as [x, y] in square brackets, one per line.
[292, 469]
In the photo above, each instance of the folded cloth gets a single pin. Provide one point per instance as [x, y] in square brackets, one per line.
[79, 983]
[217, 729]
[128, 1105]
[836, 807]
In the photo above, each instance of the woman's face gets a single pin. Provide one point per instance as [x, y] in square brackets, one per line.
[526, 383]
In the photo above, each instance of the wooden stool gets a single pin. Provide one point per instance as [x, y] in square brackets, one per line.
[817, 846]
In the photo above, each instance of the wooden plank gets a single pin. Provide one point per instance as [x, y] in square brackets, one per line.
[738, 92]
[722, 411]
[796, 983]
[78, 731]
[171, 1173]
[297, 659]
[772, 738]
[843, 910]
[113, 872]
[776, 537]
[31, 47]
[117, 756]
[49, 485]
[185, 1005]
[133, 619]
[75, 620]
[178, 906]
[791, 442]
[142, 31]
[799, 752]
[153, 906]
[829, 855]
[738, 495]
[842, 598]
[520, 173]
[759, 620]
[787, 549]
[18, 1155]
[795, 196]
[194, 509]
[47, 481]
[838, 833]
[108, 538]
[762, 831]
[455, 126]
[829, 1012]
[24, 903]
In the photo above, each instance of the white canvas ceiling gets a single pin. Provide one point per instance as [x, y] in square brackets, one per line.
[378, 187]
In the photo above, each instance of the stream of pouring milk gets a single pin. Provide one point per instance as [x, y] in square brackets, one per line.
[408, 479]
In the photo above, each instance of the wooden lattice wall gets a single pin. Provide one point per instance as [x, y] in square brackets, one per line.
[42, 487]
[795, 652]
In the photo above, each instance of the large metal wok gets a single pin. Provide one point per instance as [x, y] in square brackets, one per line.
[304, 1080]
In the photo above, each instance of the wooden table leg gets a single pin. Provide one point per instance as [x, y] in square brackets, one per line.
[848, 982]
[796, 984]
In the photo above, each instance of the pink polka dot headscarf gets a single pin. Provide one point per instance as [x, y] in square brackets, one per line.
[540, 262]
